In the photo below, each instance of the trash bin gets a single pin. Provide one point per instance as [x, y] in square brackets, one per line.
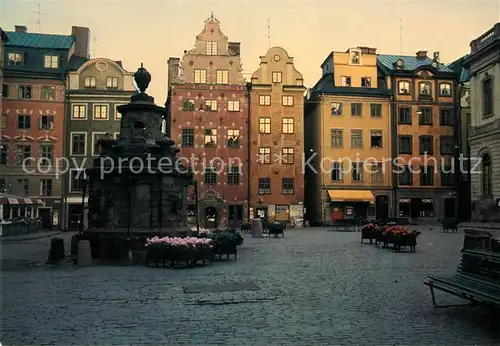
[257, 228]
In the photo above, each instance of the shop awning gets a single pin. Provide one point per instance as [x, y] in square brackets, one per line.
[351, 196]
[13, 200]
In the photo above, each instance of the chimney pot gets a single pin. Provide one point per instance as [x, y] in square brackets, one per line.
[21, 28]
[422, 54]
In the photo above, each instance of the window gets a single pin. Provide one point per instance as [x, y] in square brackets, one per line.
[211, 105]
[426, 145]
[200, 76]
[377, 173]
[90, 82]
[287, 186]
[5, 90]
[405, 144]
[24, 122]
[188, 105]
[375, 110]
[446, 117]
[46, 122]
[446, 145]
[356, 109]
[264, 125]
[24, 92]
[233, 175]
[287, 101]
[356, 138]
[366, 82]
[406, 176]
[96, 147]
[337, 171]
[78, 145]
[355, 57]
[100, 112]
[15, 59]
[264, 156]
[376, 140]
[222, 77]
[210, 176]
[4, 154]
[210, 139]
[427, 176]
[187, 137]
[211, 48]
[118, 115]
[233, 138]
[111, 82]
[345, 81]
[51, 61]
[287, 125]
[25, 186]
[264, 100]
[77, 180]
[233, 106]
[287, 156]
[23, 152]
[46, 187]
[486, 175]
[488, 96]
[277, 77]
[336, 108]
[264, 186]
[46, 155]
[3, 122]
[445, 89]
[447, 176]
[425, 116]
[48, 93]
[357, 171]
[404, 87]
[337, 138]
[424, 89]
[404, 115]
[79, 112]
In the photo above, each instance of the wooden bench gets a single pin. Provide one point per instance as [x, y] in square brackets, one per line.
[275, 228]
[477, 280]
[450, 225]
[346, 225]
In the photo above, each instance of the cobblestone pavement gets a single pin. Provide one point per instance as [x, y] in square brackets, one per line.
[316, 288]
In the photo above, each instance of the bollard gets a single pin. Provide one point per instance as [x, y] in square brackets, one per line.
[74, 245]
[56, 250]
[84, 255]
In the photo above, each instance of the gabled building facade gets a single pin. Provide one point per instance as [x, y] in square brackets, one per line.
[424, 122]
[348, 140]
[33, 106]
[95, 88]
[276, 139]
[483, 64]
[208, 120]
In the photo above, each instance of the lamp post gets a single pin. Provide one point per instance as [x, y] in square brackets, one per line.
[84, 191]
[457, 167]
[194, 182]
[307, 179]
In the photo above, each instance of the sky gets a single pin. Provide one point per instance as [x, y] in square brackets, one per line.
[150, 32]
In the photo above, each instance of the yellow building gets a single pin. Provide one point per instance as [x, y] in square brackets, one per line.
[348, 140]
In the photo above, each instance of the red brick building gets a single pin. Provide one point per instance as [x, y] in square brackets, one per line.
[208, 120]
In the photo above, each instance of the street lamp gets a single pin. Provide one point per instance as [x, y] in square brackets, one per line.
[194, 182]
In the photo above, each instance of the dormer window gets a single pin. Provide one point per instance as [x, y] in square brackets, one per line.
[90, 82]
[51, 61]
[15, 59]
[355, 57]
[277, 77]
[424, 89]
[111, 82]
[366, 82]
[211, 48]
[404, 87]
[445, 89]
[345, 81]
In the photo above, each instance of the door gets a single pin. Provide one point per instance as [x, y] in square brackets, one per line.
[46, 216]
[235, 216]
[211, 218]
[449, 208]
[261, 213]
[382, 207]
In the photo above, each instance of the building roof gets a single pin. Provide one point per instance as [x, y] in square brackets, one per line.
[326, 86]
[3, 36]
[411, 63]
[458, 67]
[31, 40]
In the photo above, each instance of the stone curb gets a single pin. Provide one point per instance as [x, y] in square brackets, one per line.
[35, 236]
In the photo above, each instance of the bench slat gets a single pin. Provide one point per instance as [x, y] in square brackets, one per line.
[466, 287]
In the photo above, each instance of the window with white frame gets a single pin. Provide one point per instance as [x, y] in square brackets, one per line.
[287, 101]
[265, 100]
[96, 146]
[111, 82]
[79, 112]
[118, 115]
[277, 77]
[100, 112]
[76, 179]
[211, 105]
[200, 76]
[78, 144]
[233, 106]
[211, 48]
[15, 59]
[90, 82]
[51, 61]
[222, 77]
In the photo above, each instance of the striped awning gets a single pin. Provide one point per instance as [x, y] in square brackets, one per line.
[20, 200]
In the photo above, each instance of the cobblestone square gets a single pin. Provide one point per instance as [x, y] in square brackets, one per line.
[315, 288]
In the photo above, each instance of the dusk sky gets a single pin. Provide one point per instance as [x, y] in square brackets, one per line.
[152, 31]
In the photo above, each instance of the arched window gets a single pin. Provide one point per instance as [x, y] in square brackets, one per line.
[486, 175]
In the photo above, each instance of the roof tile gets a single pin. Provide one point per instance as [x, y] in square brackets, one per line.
[31, 40]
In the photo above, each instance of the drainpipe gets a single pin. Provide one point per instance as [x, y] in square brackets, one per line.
[249, 151]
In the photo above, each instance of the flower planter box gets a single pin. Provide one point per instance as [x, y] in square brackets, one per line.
[226, 250]
[187, 251]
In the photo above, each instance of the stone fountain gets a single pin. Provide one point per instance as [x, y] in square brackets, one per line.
[137, 187]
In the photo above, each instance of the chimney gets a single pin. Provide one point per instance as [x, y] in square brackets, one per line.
[234, 48]
[173, 70]
[368, 50]
[422, 54]
[82, 41]
[21, 28]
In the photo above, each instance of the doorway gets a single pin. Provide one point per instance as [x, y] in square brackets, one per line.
[449, 208]
[211, 217]
[46, 215]
[235, 215]
[382, 207]
[261, 213]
